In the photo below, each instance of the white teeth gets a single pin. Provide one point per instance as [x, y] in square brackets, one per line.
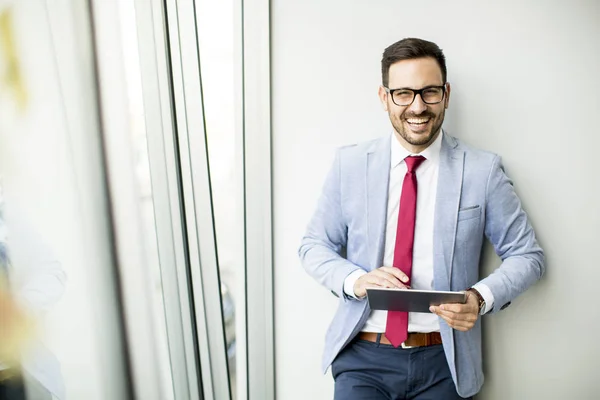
[417, 121]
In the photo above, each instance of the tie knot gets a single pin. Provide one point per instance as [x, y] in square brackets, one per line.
[413, 162]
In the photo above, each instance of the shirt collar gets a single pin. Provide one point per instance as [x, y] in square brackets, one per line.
[399, 153]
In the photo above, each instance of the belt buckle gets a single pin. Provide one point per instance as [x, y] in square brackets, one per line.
[404, 346]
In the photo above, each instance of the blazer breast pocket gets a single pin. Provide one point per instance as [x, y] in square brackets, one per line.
[469, 212]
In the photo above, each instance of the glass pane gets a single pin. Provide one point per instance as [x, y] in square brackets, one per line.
[216, 38]
[60, 316]
[142, 173]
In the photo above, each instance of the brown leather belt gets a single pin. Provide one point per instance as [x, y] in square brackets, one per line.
[413, 340]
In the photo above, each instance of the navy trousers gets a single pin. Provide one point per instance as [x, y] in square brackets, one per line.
[13, 389]
[366, 370]
[23, 387]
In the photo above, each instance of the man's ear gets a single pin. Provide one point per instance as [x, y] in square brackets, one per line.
[383, 95]
[447, 98]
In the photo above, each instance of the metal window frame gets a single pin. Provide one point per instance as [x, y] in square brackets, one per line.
[197, 198]
[239, 178]
[201, 275]
[256, 138]
[168, 207]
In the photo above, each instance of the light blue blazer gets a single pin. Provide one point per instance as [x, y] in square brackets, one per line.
[475, 198]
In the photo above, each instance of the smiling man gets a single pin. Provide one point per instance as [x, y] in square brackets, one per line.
[411, 211]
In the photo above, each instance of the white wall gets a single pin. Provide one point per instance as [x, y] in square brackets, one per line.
[525, 85]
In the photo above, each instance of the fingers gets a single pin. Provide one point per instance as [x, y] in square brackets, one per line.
[458, 324]
[468, 317]
[458, 311]
[459, 308]
[381, 281]
[461, 317]
[385, 279]
[401, 276]
[462, 326]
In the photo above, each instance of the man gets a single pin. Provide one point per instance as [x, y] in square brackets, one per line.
[410, 211]
[36, 283]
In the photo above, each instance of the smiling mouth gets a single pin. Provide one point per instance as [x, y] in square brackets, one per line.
[417, 122]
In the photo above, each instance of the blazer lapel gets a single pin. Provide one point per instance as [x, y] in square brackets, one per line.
[378, 176]
[446, 211]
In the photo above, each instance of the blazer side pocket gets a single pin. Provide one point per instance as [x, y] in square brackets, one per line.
[469, 213]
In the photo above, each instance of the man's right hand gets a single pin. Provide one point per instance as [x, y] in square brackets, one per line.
[384, 277]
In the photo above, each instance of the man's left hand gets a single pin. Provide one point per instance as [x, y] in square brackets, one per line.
[461, 317]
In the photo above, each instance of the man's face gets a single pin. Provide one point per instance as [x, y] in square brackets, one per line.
[418, 124]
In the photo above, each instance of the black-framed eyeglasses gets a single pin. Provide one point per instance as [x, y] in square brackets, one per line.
[404, 96]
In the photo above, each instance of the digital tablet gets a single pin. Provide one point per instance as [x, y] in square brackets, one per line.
[411, 300]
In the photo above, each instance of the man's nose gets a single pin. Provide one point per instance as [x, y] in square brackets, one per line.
[418, 106]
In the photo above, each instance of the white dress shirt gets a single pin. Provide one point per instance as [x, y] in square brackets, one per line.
[422, 268]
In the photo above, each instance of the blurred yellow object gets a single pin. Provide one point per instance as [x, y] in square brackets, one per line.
[16, 330]
[11, 76]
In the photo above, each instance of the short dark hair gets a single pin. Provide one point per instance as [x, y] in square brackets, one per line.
[408, 49]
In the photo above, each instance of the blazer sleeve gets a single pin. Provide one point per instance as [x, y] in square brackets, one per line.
[326, 235]
[513, 238]
[39, 279]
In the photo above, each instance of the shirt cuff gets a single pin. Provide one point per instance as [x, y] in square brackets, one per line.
[351, 280]
[487, 295]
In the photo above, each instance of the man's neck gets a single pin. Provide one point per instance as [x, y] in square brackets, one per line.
[416, 149]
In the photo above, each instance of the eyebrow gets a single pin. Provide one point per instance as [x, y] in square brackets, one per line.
[424, 87]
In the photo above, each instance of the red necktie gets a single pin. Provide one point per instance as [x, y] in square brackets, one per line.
[396, 329]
